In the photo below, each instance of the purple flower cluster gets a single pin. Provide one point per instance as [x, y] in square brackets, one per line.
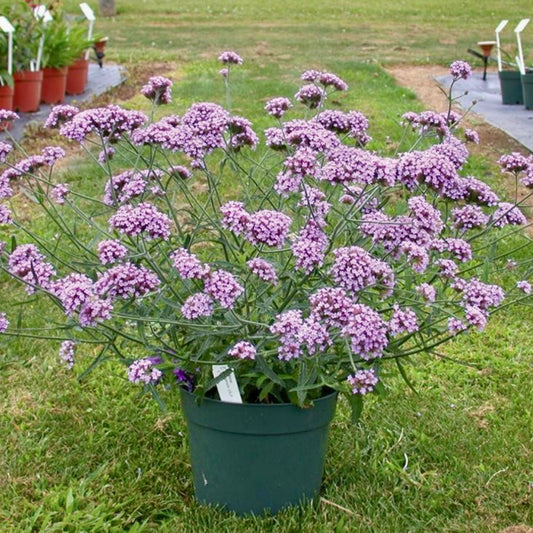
[309, 248]
[127, 185]
[355, 269]
[327, 79]
[363, 381]
[223, 287]
[460, 70]
[197, 305]
[366, 331]
[126, 281]
[287, 325]
[230, 58]
[7, 115]
[311, 96]
[278, 106]
[508, 214]
[403, 321]
[5, 148]
[158, 90]
[110, 251]
[144, 218]
[4, 323]
[353, 123]
[524, 286]
[331, 305]
[263, 270]
[267, 227]
[143, 372]
[59, 114]
[469, 217]
[5, 215]
[514, 163]
[241, 134]
[188, 265]
[243, 350]
[59, 192]
[67, 350]
[28, 264]
[427, 291]
[110, 122]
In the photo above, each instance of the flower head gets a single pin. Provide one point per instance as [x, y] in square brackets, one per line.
[460, 70]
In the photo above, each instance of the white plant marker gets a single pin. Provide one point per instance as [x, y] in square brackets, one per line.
[7, 27]
[41, 13]
[518, 30]
[498, 30]
[228, 389]
[89, 15]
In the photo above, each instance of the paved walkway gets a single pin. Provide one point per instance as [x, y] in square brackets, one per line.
[515, 120]
[100, 80]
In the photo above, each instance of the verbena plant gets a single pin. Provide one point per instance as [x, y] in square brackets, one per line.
[322, 266]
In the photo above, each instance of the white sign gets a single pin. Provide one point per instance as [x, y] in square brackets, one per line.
[501, 25]
[521, 25]
[228, 390]
[42, 13]
[6, 26]
[87, 11]
[520, 58]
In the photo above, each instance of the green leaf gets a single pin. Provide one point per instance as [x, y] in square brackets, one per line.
[405, 376]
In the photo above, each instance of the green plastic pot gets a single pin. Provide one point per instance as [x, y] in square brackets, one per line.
[255, 458]
[527, 89]
[511, 87]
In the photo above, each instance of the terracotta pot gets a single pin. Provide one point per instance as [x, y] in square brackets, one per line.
[28, 87]
[77, 76]
[6, 102]
[54, 85]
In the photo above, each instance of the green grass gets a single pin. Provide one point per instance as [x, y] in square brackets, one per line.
[454, 457]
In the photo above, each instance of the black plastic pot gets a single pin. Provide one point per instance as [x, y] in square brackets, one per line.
[252, 458]
[527, 89]
[511, 86]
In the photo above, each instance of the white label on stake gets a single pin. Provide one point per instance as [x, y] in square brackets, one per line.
[521, 25]
[228, 390]
[87, 11]
[6, 26]
[501, 25]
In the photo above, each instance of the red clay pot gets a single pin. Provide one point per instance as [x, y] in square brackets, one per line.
[77, 76]
[6, 102]
[28, 87]
[54, 85]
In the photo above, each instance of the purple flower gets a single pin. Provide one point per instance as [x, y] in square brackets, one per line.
[197, 305]
[460, 249]
[311, 96]
[110, 251]
[469, 217]
[60, 113]
[309, 247]
[4, 322]
[143, 218]
[425, 215]
[7, 116]
[427, 292]
[241, 133]
[224, 72]
[142, 371]
[66, 353]
[460, 70]
[447, 268]
[5, 215]
[455, 326]
[27, 263]
[5, 148]
[479, 192]
[287, 324]
[314, 336]
[158, 90]
[126, 281]
[51, 154]
[59, 192]
[417, 255]
[366, 332]
[230, 58]
[184, 378]
[483, 295]
[363, 381]
[403, 321]
[223, 287]
[263, 270]
[472, 136]
[332, 305]
[234, 217]
[243, 350]
[106, 154]
[277, 106]
[514, 163]
[179, 171]
[267, 227]
[476, 317]
[74, 291]
[94, 311]
[188, 265]
[524, 286]
[508, 214]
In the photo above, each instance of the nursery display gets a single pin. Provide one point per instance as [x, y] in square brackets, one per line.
[260, 274]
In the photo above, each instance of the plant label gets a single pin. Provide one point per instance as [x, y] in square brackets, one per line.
[87, 11]
[6, 26]
[228, 390]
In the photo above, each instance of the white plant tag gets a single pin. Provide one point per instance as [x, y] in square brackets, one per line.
[87, 11]
[6, 26]
[228, 390]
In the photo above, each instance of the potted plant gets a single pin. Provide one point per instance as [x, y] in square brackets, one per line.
[78, 70]
[27, 77]
[510, 80]
[262, 287]
[58, 54]
[6, 79]
[527, 88]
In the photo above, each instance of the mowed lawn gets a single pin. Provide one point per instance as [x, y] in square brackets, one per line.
[456, 456]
